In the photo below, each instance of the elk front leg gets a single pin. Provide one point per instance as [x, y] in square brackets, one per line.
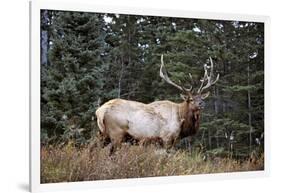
[170, 144]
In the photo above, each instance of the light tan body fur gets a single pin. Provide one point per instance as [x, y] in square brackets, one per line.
[160, 119]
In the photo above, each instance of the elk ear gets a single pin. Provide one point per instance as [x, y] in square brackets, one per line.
[205, 95]
[184, 97]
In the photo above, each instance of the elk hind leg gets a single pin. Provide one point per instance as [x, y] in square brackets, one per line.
[103, 138]
[116, 139]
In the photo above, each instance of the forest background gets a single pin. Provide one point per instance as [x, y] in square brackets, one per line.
[90, 58]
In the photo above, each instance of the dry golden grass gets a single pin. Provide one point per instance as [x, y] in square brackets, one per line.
[69, 163]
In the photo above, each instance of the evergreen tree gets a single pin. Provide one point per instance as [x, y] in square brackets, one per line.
[74, 78]
[91, 58]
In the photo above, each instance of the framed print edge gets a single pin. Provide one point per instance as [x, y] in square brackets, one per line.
[34, 96]
[34, 81]
[267, 104]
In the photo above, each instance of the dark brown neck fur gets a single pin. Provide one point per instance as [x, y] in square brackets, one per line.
[190, 120]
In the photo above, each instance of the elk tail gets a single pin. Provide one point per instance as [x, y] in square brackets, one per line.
[100, 119]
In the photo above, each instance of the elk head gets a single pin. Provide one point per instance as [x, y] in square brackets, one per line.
[193, 98]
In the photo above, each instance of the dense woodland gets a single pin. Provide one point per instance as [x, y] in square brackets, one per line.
[89, 58]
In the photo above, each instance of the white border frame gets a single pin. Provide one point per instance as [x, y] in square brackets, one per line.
[34, 81]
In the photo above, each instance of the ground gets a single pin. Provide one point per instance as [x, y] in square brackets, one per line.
[68, 163]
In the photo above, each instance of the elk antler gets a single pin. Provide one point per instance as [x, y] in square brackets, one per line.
[207, 77]
[164, 75]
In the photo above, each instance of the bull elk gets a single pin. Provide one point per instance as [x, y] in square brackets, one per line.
[163, 120]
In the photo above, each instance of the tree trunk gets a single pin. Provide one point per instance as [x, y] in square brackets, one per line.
[44, 38]
[216, 94]
[249, 110]
[120, 77]
[209, 138]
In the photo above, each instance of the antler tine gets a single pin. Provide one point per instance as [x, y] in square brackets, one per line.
[164, 75]
[212, 67]
[191, 78]
[212, 72]
[204, 78]
[208, 78]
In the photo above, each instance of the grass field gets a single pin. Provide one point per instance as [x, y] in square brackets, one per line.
[68, 163]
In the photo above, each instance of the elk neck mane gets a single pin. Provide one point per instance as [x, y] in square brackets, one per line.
[189, 120]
